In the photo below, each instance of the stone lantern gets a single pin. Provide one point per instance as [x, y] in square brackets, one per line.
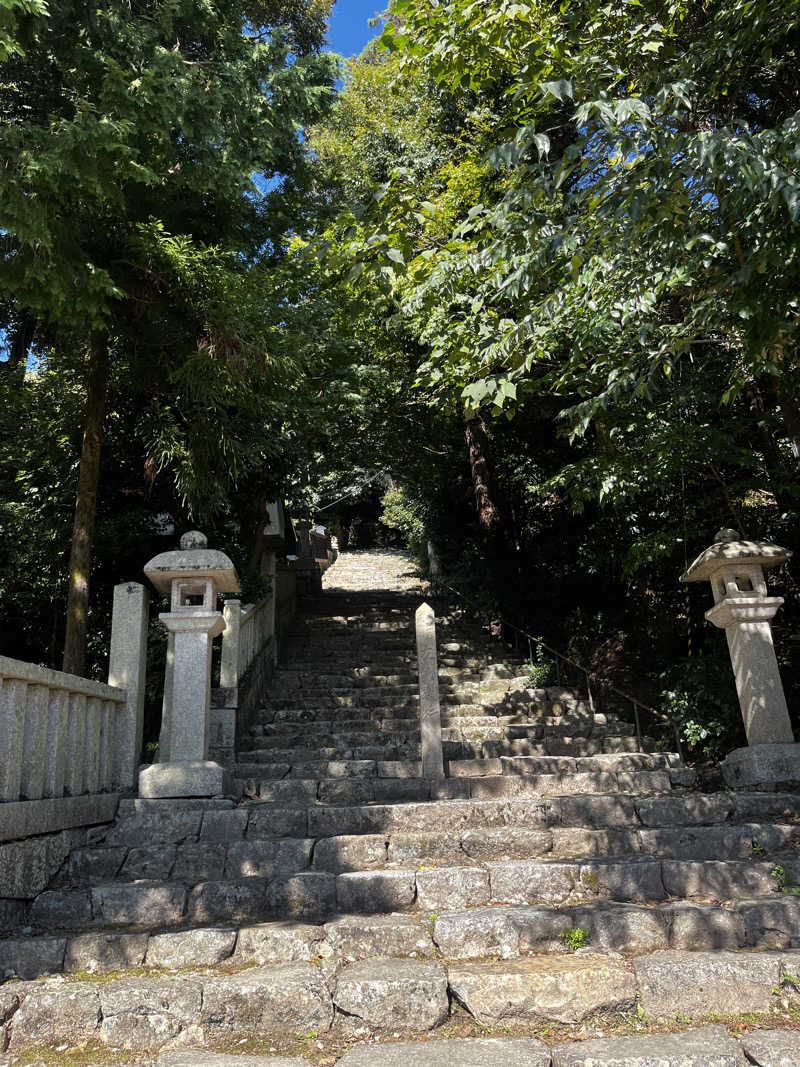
[193, 576]
[744, 610]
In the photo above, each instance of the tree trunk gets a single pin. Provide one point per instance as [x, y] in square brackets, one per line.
[775, 467]
[478, 448]
[502, 558]
[790, 412]
[80, 559]
[20, 345]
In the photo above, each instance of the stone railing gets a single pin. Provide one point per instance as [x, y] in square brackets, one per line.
[64, 736]
[285, 598]
[68, 746]
[322, 548]
[58, 733]
[248, 630]
[250, 643]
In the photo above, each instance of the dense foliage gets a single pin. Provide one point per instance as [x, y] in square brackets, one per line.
[524, 298]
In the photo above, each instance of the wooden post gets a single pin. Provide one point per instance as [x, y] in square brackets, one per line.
[430, 718]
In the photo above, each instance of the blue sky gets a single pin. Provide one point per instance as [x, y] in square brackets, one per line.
[349, 25]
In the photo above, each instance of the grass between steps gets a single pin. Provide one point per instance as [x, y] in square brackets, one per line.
[324, 1049]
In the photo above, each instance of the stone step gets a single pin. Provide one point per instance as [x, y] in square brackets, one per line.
[493, 747]
[211, 843]
[143, 1013]
[470, 715]
[503, 932]
[378, 660]
[314, 681]
[326, 731]
[361, 788]
[277, 732]
[296, 788]
[274, 878]
[248, 767]
[146, 823]
[349, 732]
[635, 929]
[317, 647]
[401, 746]
[389, 996]
[516, 765]
[326, 627]
[593, 811]
[710, 1046]
[535, 765]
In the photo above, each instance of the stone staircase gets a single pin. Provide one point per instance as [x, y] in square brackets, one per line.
[557, 884]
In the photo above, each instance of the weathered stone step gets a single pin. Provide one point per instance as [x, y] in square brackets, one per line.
[315, 766]
[511, 931]
[271, 878]
[326, 732]
[317, 647]
[710, 1046]
[282, 941]
[535, 765]
[276, 733]
[458, 1052]
[362, 787]
[143, 823]
[405, 750]
[403, 746]
[506, 932]
[576, 811]
[313, 681]
[384, 995]
[475, 728]
[312, 660]
[493, 746]
[238, 847]
[144, 1013]
[385, 696]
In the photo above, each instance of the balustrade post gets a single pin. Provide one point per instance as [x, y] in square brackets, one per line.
[269, 569]
[127, 666]
[430, 717]
[229, 663]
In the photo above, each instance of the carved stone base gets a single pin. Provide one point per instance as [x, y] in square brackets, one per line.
[187, 778]
[762, 765]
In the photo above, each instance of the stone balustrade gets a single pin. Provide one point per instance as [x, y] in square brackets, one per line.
[67, 747]
[58, 733]
[248, 629]
[285, 597]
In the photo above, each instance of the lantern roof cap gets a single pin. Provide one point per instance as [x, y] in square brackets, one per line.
[194, 559]
[730, 546]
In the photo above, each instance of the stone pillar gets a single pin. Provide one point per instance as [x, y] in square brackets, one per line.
[194, 575]
[744, 610]
[269, 570]
[755, 667]
[303, 530]
[166, 701]
[191, 695]
[229, 660]
[309, 576]
[430, 718]
[127, 667]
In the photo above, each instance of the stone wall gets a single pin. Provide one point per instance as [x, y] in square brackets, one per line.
[30, 859]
